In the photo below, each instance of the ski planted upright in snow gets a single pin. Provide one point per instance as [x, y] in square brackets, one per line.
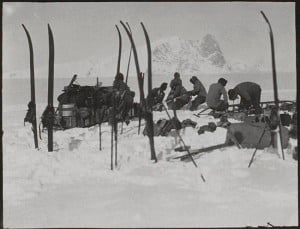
[275, 88]
[50, 90]
[148, 116]
[129, 58]
[114, 121]
[31, 114]
[139, 73]
[120, 49]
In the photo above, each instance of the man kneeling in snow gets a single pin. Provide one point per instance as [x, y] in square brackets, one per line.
[250, 94]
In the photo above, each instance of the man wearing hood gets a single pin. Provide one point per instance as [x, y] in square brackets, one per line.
[198, 90]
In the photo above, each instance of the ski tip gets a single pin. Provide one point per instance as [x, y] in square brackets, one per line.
[128, 27]
[144, 28]
[49, 27]
[24, 28]
[122, 23]
[265, 17]
[50, 30]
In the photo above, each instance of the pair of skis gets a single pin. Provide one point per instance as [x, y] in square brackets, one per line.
[146, 109]
[114, 129]
[50, 88]
[148, 112]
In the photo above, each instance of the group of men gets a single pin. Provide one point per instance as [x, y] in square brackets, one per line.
[216, 97]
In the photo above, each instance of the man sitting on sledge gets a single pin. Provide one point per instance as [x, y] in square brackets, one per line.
[198, 90]
[213, 98]
[156, 96]
[250, 94]
[177, 97]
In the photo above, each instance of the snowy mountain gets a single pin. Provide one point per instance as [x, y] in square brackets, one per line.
[188, 57]
[168, 55]
[185, 56]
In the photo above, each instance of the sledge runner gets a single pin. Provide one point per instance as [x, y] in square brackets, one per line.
[250, 94]
[178, 96]
[213, 98]
[156, 96]
[198, 90]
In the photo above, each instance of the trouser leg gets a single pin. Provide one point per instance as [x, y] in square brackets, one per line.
[197, 101]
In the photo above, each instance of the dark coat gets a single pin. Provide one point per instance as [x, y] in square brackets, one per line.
[249, 92]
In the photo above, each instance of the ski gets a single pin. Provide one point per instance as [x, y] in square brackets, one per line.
[32, 103]
[128, 65]
[150, 125]
[140, 83]
[197, 151]
[50, 89]
[129, 58]
[149, 58]
[142, 96]
[120, 49]
[232, 141]
[275, 88]
[114, 121]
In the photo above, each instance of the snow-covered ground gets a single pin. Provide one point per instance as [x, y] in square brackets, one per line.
[74, 186]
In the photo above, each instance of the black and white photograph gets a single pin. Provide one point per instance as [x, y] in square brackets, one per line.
[149, 114]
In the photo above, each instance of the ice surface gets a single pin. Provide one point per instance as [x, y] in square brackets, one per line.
[74, 186]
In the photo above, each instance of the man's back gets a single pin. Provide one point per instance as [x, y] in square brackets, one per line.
[248, 87]
[214, 94]
[198, 86]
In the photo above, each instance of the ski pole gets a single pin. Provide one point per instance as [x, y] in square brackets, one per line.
[100, 147]
[185, 147]
[112, 142]
[116, 141]
[253, 155]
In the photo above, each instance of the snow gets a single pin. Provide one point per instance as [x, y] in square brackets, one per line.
[74, 186]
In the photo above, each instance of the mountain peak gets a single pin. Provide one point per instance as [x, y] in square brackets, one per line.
[187, 56]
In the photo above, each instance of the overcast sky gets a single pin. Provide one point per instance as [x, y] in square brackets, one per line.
[82, 30]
